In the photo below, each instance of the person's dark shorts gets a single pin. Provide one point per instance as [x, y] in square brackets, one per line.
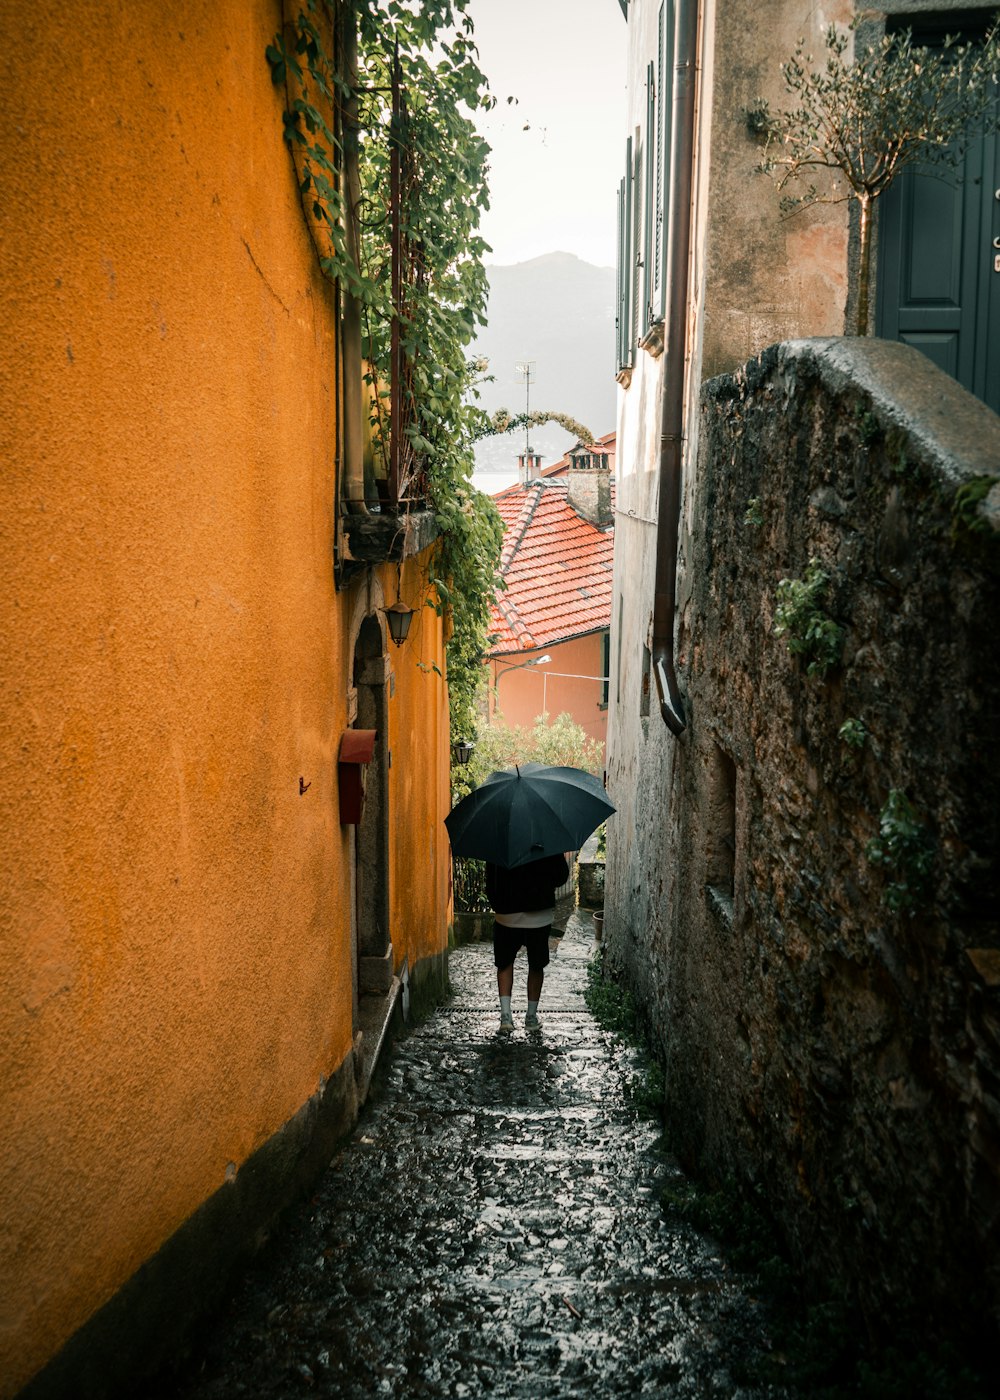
[507, 941]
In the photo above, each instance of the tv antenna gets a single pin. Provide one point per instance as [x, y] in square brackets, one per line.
[526, 369]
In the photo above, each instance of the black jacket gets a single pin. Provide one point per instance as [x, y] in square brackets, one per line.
[526, 887]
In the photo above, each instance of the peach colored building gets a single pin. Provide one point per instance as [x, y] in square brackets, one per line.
[550, 627]
[198, 953]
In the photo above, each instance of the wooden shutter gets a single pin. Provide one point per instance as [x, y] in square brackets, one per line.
[625, 339]
[648, 199]
[660, 156]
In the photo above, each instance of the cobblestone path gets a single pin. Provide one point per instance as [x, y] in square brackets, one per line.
[492, 1227]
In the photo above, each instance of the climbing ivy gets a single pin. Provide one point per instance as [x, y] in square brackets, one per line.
[854, 733]
[904, 850]
[800, 617]
[443, 165]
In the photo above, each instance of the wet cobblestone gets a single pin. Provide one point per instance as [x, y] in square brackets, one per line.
[492, 1227]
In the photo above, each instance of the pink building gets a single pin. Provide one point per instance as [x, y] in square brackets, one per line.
[550, 628]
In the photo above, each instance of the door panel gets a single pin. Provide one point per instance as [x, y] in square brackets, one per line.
[937, 288]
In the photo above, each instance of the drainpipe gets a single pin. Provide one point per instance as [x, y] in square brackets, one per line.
[676, 279]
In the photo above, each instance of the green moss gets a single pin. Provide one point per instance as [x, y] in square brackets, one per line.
[613, 1007]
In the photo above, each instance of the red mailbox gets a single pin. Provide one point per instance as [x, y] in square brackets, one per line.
[357, 749]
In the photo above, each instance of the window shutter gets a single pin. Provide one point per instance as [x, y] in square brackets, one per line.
[626, 259]
[635, 246]
[648, 197]
[622, 269]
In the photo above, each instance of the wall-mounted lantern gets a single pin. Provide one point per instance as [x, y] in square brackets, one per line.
[461, 750]
[398, 619]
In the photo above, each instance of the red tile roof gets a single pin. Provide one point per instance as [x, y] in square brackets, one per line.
[557, 567]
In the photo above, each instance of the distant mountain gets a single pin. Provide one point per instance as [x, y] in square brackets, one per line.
[558, 311]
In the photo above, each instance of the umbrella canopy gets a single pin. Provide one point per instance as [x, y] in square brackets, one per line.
[525, 813]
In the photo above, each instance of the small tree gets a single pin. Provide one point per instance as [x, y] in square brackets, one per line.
[863, 122]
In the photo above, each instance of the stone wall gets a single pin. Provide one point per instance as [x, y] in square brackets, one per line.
[831, 1023]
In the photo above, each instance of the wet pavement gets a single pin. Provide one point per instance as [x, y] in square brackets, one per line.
[493, 1226]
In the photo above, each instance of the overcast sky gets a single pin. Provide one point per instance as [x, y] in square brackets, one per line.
[553, 186]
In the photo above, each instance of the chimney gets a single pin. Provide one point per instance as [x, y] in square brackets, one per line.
[529, 466]
[590, 484]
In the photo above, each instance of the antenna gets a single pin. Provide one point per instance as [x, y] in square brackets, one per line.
[526, 368]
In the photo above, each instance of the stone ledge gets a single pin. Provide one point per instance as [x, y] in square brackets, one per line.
[375, 974]
[385, 538]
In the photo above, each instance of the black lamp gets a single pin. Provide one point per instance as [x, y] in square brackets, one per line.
[399, 617]
[462, 750]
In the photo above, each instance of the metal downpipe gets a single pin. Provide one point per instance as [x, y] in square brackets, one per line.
[676, 281]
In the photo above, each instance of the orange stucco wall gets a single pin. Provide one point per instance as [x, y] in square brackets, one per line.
[418, 778]
[519, 695]
[175, 968]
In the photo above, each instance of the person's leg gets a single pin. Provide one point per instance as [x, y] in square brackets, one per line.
[504, 952]
[538, 957]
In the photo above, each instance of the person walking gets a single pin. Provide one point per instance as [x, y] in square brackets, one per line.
[523, 903]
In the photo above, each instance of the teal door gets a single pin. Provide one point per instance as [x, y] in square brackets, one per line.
[939, 267]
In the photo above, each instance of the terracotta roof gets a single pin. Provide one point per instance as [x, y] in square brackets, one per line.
[557, 567]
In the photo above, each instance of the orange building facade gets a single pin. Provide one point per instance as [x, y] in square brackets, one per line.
[197, 954]
[550, 626]
[571, 682]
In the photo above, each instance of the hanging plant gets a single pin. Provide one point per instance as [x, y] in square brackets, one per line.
[340, 118]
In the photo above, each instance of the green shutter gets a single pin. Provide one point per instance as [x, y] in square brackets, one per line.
[648, 197]
[625, 338]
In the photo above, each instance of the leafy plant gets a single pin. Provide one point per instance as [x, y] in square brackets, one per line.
[613, 1006]
[869, 428]
[503, 421]
[902, 847]
[341, 125]
[861, 123]
[854, 733]
[965, 509]
[754, 515]
[561, 741]
[799, 616]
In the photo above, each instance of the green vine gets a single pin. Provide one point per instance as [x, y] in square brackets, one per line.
[902, 848]
[854, 733]
[800, 617]
[336, 114]
[503, 421]
[965, 514]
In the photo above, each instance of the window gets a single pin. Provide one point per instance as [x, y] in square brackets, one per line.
[605, 668]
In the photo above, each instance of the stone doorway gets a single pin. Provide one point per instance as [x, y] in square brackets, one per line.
[372, 946]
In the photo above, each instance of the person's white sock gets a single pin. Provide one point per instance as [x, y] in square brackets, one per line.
[532, 1008]
[505, 1008]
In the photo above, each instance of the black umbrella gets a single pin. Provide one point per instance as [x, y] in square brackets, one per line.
[525, 813]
